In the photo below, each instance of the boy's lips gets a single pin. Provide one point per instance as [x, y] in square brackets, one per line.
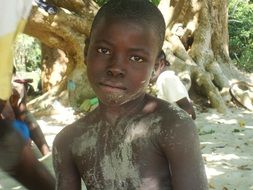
[112, 87]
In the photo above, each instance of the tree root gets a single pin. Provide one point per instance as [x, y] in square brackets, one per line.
[242, 94]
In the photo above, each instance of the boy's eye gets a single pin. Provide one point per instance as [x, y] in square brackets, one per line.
[104, 51]
[136, 59]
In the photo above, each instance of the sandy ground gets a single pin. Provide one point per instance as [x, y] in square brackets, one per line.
[226, 144]
[227, 147]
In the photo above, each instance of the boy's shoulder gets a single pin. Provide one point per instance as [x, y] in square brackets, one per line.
[76, 128]
[166, 111]
[161, 106]
[168, 118]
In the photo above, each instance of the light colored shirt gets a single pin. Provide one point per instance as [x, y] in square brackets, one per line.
[170, 88]
[13, 16]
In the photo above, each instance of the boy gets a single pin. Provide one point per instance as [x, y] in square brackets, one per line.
[131, 140]
[169, 86]
[18, 102]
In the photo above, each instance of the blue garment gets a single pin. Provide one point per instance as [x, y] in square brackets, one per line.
[22, 128]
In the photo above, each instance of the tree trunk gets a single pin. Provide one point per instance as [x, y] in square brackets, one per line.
[54, 67]
[63, 37]
[197, 45]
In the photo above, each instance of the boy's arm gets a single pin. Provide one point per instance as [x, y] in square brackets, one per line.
[187, 106]
[184, 156]
[67, 175]
[31, 173]
[18, 160]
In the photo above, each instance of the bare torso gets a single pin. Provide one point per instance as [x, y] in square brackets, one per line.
[123, 157]
[134, 153]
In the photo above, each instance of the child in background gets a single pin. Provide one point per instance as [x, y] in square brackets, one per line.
[18, 120]
[169, 87]
[18, 102]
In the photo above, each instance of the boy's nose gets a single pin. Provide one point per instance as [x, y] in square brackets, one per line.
[115, 72]
[116, 67]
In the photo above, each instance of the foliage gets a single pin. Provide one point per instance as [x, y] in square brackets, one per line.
[101, 2]
[27, 53]
[241, 33]
[156, 2]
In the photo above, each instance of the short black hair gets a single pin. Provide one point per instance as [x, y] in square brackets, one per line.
[140, 11]
[162, 57]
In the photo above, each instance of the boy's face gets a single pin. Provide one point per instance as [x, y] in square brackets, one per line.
[121, 56]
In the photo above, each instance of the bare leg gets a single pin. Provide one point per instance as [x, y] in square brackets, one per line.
[36, 134]
[39, 139]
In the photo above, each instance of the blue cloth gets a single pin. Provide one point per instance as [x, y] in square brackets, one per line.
[71, 86]
[22, 128]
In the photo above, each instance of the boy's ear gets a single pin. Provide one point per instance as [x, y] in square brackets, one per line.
[86, 47]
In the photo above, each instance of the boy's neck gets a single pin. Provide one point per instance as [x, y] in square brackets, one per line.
[112, 114]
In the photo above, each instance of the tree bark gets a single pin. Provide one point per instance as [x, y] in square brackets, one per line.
[63, 36]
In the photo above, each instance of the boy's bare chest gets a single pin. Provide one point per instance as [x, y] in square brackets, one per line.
[115, 158]
[104, 156]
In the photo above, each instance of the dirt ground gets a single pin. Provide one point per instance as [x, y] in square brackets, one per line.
[226, 144]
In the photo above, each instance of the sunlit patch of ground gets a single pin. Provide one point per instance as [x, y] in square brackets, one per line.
[226, 143]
